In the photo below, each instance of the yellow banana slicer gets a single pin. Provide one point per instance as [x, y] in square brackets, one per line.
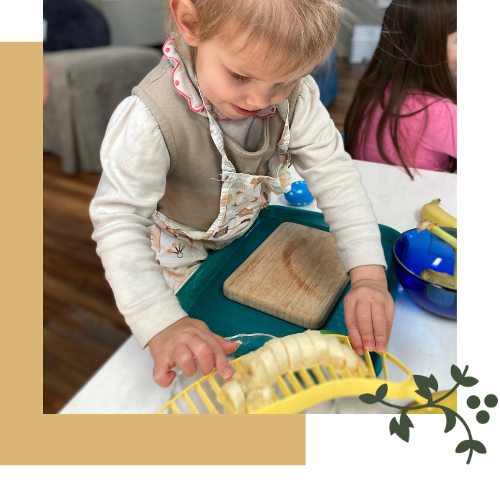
[301, 388]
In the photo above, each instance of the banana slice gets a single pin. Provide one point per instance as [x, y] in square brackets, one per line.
[320, 346]
[352, 360]
[341, 355]
[279, 351]
[271, 366]
[246, 382]
[350, 357]
[254, 367]
[293, 351]
[336, 352]
[259, 398]
[234, 393]
[307, 351]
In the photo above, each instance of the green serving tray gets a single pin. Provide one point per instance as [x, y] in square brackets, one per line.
[202, 297]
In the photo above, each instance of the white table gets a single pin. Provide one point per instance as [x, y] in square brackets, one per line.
[424, 342]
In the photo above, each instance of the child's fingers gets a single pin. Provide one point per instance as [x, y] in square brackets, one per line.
[227, 346]
[204, 355]
[365, 326]
[221, 362]
[163, 376]
[352, 328]
[379, 320]
[390, 309]
[184, 359]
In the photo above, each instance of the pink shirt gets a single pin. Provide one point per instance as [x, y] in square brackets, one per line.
[430, 151]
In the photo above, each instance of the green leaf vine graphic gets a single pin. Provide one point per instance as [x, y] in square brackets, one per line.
[425, 384]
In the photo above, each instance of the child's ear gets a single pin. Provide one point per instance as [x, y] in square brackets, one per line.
[185, 17]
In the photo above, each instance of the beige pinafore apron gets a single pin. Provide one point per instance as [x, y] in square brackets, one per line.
[181, 249]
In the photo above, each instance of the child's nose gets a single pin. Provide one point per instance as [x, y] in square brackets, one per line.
[258, 101]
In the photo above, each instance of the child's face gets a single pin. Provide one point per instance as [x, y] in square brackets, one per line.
[240, 84]
[452, 53]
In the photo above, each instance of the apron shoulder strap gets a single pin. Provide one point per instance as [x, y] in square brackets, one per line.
[283, 109]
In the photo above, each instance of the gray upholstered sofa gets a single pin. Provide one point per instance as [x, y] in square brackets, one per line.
[86, 85]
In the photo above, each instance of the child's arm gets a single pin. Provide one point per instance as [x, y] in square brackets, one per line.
[135, 163]
[319, 157]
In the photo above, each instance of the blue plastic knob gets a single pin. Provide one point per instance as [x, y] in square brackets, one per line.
[299, 195]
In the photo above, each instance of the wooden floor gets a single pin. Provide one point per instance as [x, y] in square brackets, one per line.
[82, 326]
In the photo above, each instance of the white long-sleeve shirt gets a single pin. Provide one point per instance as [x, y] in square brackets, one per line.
[135, 164]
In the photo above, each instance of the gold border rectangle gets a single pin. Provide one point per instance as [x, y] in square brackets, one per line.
[28, 436]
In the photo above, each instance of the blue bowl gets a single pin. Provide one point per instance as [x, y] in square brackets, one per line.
[415, 251]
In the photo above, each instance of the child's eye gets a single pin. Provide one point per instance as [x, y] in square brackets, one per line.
[242, 79]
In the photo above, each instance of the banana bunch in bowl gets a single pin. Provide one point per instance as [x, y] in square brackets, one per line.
[250, 389]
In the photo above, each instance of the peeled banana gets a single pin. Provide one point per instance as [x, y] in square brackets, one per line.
[433, 212]
[251, 389]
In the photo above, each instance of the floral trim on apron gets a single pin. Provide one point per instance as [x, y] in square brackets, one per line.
[181, 249]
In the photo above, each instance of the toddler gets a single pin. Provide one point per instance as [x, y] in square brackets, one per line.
[194, 154]
[404, 110]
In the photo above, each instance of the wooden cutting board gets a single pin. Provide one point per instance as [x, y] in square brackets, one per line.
[295, 275]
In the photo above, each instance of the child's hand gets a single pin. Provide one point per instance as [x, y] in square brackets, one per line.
[368, 309]
[180, 342]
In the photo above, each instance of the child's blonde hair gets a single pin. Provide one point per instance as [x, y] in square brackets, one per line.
[298, 34]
